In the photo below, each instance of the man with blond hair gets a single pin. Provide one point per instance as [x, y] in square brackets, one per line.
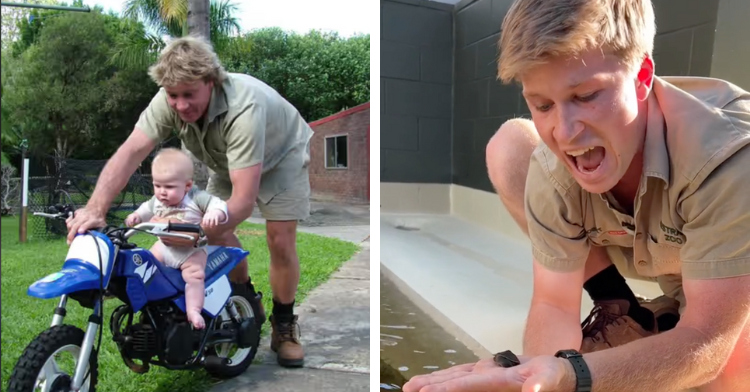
[256, 145]
[619, 173]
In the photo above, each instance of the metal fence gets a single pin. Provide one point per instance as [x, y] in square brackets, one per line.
[48, 191]
[71, 183]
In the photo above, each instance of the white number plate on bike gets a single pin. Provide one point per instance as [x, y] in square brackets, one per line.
[217, 294]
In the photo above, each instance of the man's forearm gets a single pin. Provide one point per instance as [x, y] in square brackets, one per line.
[113, 179]
[549, 329]
[239, 210]
[678, 359]
[245, 188]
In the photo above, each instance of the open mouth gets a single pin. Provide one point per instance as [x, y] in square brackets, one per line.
[588, 160]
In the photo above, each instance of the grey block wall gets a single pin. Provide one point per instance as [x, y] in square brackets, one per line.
[416, 54]
[481, 103]
[683, 46]
[731, 46]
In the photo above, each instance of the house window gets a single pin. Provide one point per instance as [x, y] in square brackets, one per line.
[337, 156]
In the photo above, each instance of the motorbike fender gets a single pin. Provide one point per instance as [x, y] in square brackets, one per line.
[81, 268]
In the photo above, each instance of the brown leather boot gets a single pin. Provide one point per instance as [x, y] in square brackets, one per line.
[663, 306]
[609, 326]
[285, 341]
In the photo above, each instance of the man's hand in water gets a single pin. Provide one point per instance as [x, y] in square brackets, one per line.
[538, 374]
[84, 219]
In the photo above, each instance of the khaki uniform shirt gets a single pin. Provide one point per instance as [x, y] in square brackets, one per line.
[247, 123]
[692, 209]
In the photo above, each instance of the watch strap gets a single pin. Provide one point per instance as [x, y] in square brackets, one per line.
[583, 374]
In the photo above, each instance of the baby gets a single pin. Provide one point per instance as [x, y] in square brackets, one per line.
[176, 200]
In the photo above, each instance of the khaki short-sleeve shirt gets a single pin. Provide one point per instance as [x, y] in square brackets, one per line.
[247, 123]
[692, 210]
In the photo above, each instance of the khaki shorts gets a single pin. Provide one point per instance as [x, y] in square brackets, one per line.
[671, 285]
[292, 204]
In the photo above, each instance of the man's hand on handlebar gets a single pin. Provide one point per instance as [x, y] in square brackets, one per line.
[84, 219]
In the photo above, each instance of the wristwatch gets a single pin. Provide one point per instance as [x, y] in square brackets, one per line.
[583, 374]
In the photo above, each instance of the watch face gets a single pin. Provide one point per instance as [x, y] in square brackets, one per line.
[567, 354]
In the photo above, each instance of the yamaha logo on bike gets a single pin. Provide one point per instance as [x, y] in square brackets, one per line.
[137, 260]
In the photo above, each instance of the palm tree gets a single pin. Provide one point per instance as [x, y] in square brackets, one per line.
[197, 20]
[198, 24]
[170, 18]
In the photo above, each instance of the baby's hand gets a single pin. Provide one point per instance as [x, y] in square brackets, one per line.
[132, 220]
[213, 217]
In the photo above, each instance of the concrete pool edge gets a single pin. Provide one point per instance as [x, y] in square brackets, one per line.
[433, 313]
[473, 279]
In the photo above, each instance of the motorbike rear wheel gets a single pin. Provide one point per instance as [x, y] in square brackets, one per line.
[37, 369]
[247, 302]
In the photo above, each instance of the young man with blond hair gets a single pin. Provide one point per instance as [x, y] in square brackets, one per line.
[256, 145]
[619, 173]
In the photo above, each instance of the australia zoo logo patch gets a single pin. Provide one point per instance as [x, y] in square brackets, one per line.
[672, 235]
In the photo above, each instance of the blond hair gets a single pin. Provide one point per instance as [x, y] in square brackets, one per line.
[536, 30]
[173, 161]
[187, 60]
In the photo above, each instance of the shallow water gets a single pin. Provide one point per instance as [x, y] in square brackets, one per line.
[411, 343]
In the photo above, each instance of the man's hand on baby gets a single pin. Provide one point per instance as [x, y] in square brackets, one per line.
[132, 220]
[212, 218]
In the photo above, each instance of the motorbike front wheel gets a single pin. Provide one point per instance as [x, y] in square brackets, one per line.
[38, 370]
[248, 305]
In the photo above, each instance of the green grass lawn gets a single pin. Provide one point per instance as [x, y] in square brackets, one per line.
[24, 317]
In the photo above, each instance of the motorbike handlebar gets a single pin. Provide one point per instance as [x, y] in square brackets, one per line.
[59, 215]
[160, 230]
[186, 227]
[58, 211]
[157, 229]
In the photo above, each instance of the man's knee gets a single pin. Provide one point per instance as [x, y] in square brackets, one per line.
[508, 153]
[282, 240]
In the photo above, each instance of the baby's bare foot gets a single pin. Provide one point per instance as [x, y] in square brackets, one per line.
[196, 319]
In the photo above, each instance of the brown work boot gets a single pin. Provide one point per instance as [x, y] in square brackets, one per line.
[285, 341]
[666, 311]
[609, 326]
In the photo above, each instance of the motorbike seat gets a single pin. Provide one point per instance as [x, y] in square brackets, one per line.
[218, 257]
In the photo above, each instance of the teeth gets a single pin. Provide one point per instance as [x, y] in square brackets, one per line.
[580, 152]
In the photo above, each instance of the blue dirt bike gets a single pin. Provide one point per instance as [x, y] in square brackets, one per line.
[102, 264]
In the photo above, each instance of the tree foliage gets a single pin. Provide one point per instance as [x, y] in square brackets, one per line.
[76, 83]
[63, 92]
[11, 16]
[169, 18]
[319, 73]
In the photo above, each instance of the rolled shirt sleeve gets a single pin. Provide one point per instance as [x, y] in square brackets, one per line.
[157, 121]
[555, 219]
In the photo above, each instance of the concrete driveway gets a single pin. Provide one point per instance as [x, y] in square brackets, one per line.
[334, 318]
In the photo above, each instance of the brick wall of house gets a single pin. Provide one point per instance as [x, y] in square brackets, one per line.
[352, 183]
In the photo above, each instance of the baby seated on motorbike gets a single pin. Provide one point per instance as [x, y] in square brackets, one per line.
[176, 200]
